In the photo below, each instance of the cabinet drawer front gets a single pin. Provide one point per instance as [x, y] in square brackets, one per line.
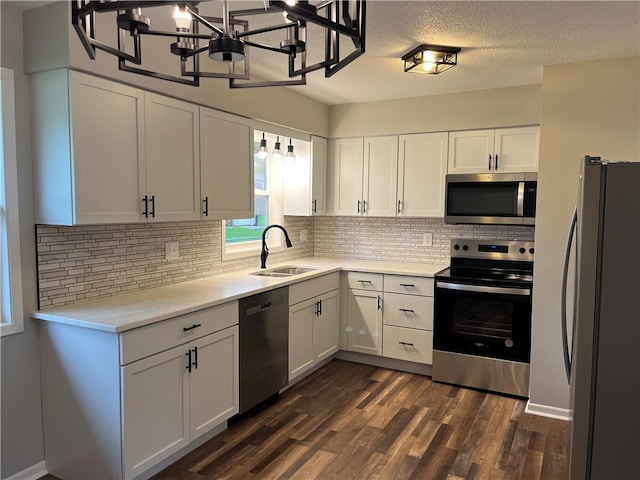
[411, 311]
[365, 281]
[407, 344]
[409, 285]
[301, 291]
[148, 340]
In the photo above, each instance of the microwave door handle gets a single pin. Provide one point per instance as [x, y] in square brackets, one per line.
[563, 308]
[520, 205]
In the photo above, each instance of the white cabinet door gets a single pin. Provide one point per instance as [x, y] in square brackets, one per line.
[364, 322]
[516, 149]
[172, 159]
[155, 411]
[226, 165]
[87, 149]
[213, 381]
[301, 319]
[380, 176]
[422, 167]
[470, 151]
[326, 326]
[347, 162]
[305, 182]
[318, 176]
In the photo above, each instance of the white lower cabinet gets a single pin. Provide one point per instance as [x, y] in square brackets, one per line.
[363, 325]
[313, 322]
[408, 318]
[145, 393]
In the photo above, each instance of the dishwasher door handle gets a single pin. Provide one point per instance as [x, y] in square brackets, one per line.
[259, 309]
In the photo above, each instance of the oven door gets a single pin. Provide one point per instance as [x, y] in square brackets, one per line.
[483, 320]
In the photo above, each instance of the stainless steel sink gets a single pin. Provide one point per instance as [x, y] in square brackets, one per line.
[287, 271]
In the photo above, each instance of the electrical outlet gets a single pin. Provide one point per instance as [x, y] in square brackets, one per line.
[171, 251]
[427, 240]
[303, 235]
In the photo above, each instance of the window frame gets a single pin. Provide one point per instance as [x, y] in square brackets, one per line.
[274, 191]
[11, 273]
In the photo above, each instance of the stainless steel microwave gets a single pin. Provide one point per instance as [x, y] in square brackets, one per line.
[501, 198]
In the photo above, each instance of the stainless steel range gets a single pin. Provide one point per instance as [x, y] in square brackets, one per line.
[482, 324]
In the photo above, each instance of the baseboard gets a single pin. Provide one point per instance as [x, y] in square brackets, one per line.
[384, 362]
[547, 411]
[32, 473]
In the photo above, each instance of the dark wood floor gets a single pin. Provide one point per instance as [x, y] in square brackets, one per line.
[353, 421]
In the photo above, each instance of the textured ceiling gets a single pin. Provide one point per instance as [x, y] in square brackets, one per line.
[503, 44]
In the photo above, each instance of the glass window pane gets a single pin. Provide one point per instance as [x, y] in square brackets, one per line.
[260, 170]
[249, 229]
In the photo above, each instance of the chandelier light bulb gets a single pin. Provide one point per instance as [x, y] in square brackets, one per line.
[262, 151]
[277, 151]
[290, 155]
[182, 18]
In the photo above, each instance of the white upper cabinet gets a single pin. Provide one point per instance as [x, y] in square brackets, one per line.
[104, 152]
[88, 149]
[346, 187]
[226, 165]
[305, 182]
[380, 176]
[365, 176]
[172, 190]
[494, 151]
[422, 166]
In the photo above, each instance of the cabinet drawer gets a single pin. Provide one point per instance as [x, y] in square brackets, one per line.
[407, 344]
[301, 291]
[365, 281]
[411, 311]
[148, 340]
[408, 284]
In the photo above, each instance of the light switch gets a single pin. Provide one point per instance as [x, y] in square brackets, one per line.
[427, 240]
[171, 251]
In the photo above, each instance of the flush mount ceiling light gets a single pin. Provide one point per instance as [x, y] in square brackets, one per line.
[432, 59]
[228, 39]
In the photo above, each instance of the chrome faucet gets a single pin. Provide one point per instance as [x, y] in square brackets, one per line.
[265, 250]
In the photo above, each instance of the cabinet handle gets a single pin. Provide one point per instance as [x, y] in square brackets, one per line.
[206, 206]
[496, 163]
[195, 325]
[379, 302]
[408, 285]
[399, 206]
[364, 281]
[317, 307]
[315, 205]
[364, 206]
[195, 356]
[406, 310]
[189, 360]
[406, 344]
[490, 156]
[358, 206]
[145, 200]
[153, 206]
[320, 307]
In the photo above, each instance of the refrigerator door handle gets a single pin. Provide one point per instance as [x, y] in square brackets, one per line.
[565, 275]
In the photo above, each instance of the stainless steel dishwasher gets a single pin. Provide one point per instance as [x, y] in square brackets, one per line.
[264, 346]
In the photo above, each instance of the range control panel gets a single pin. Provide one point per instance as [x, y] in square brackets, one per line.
[493, 249]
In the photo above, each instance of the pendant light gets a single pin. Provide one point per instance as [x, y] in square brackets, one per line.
[290, 155]
[277, 151]
[262, 152]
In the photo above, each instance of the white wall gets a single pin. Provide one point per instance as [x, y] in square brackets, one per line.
[53, 43]
[21, 425]
[590, 108]
[499, 107]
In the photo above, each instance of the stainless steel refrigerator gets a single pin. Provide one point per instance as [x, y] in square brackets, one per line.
[602, 338]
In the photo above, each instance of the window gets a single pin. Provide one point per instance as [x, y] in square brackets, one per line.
[243, 236]
[11, 320]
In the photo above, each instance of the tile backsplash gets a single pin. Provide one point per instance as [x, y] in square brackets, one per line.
[86, 262]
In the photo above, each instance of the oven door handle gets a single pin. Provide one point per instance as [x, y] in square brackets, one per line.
[484, 289]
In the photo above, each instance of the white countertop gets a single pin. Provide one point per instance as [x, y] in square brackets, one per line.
[132, 310]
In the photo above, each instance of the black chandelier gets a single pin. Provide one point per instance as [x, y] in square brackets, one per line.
[226, 39]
